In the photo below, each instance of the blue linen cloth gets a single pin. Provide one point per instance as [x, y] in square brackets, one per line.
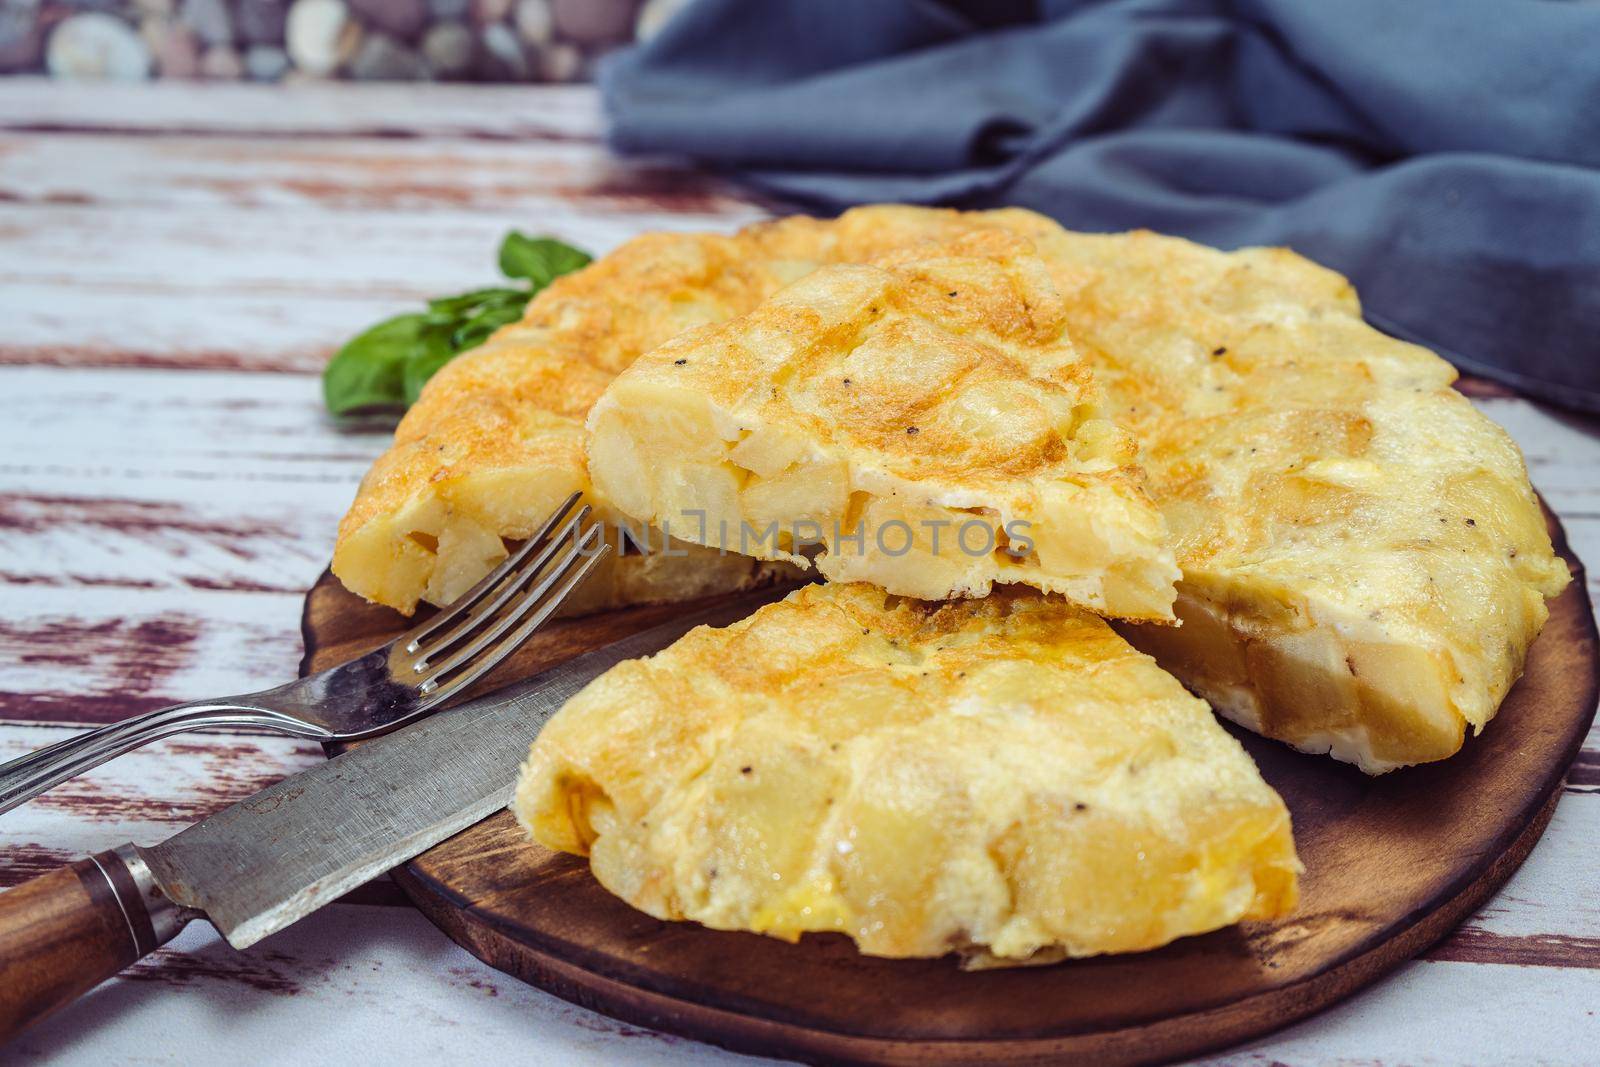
[1445, 154]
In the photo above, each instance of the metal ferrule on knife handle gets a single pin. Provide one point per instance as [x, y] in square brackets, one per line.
[65, 932]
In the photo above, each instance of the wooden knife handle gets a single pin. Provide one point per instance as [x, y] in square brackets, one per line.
[65, 932]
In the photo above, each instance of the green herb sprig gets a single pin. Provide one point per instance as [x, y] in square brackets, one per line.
[385, 367]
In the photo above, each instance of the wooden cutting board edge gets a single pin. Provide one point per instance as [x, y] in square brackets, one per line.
[589, 983]
[1178, 1036]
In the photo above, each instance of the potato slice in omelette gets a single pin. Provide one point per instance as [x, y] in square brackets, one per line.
[925, 418]
[1005, 778]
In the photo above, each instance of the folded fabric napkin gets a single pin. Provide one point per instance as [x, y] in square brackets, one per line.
[1445, 154]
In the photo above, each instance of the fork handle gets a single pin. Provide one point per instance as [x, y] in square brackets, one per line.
[27, 776]
[65, 932]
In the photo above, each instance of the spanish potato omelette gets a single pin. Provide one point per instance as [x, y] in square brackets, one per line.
[1003, 777]
[924, 418]
[1364, 562]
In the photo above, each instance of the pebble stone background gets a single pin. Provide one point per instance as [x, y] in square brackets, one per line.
[297, 40]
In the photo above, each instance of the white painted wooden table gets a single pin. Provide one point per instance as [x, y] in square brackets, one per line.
[176, 264]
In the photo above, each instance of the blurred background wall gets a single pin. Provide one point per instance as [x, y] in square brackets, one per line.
[296, 40]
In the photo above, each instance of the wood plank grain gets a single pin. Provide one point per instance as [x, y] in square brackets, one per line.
[245, 330]
[512, 179]
[94, 654]
[233, 485]
[230, 287]
[151, 435]
[317, 965]
[1547, 915]
[151, 480]
[1439, 1012]
[66, 541]
[307, 110]
[362, 985]
[1470, 944]
[1584, 777]
[65, 414]
[347, 985]
[215, 250]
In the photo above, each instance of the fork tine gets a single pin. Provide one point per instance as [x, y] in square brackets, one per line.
[529, 598]
[545, 605]
[510, 587]
[413, 637]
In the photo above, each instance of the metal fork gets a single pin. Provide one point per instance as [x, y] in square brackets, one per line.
[383, 690]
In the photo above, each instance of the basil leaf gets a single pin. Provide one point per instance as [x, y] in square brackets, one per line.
[434, 350]
[369, 371]
[477, 329]
[434, 341]
[386, 366]
[541, 260]
[455, 305]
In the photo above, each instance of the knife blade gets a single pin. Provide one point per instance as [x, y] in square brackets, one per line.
[275, 857]
[282, 853]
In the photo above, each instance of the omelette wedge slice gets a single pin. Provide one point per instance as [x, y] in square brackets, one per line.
[1004, 778]
[924, 419]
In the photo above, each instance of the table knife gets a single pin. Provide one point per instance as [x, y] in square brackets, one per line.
[281, 854]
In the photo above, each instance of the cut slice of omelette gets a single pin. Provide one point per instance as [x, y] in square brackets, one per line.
[925, 418]
[1005, 778]
[1364, 561]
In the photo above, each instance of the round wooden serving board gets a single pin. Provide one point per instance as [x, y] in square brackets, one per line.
[1392, 863]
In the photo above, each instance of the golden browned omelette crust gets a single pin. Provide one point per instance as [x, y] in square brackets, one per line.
[1364, 561]
[496, 440]
[1004, 777]
[925, 418]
